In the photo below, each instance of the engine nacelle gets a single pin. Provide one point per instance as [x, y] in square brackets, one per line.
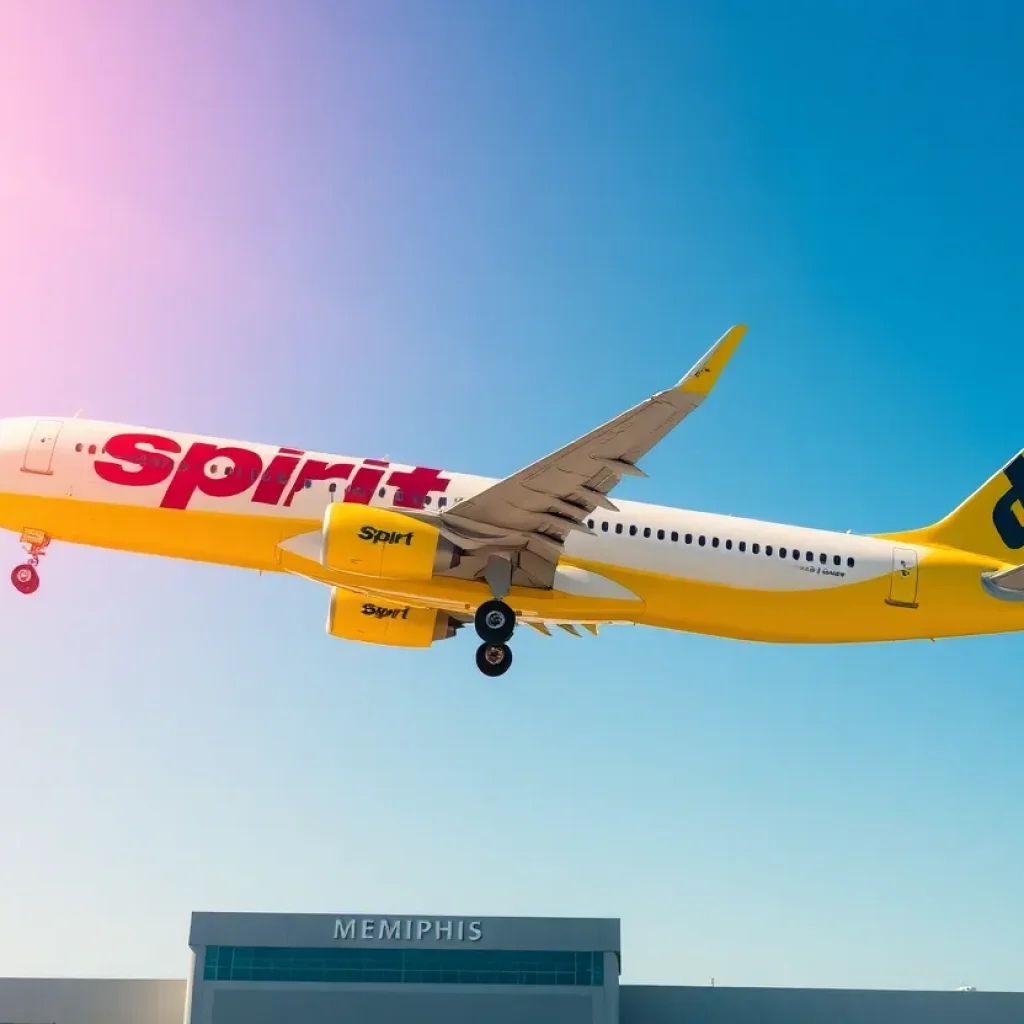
[356, 617]
[381, 543]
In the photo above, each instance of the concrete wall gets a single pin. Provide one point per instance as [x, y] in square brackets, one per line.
[655, 1004]
[90, 1001]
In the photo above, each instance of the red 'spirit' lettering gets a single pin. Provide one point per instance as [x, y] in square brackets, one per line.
[278, 473]
[191, 475]
[412, 487]
[143, 460]
[365, 482]
[312, 469]
[147, 468]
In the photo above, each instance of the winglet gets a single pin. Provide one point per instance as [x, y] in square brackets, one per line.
[704, 375]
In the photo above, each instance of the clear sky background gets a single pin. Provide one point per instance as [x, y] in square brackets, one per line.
[464, 233]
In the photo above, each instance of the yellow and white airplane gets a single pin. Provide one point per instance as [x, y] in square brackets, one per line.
[412, 554]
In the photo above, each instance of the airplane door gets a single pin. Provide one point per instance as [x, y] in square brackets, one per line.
[903, 579]
[39, 451]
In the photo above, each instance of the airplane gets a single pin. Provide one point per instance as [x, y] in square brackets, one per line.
[412, 555]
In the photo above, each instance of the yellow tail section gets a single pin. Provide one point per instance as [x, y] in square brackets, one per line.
[989, 523]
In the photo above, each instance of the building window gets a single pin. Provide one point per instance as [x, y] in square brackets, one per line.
[409, 966]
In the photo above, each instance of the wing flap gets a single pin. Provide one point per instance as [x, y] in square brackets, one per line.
[535, 509]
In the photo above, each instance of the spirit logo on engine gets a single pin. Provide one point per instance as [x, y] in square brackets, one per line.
[375, 536]
[385, 613]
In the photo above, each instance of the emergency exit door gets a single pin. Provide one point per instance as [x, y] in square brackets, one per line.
[40, 447]
[903, 578]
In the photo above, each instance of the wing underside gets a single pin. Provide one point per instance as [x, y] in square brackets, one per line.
[525, 519]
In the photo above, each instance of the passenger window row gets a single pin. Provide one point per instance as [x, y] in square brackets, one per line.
[795, 553]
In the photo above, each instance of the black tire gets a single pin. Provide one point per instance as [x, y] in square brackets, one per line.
[495, 622]
[494, 659]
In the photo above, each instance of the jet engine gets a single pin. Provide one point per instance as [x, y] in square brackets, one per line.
[382, 543]
[356, 617]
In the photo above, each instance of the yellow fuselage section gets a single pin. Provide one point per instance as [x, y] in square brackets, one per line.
[948, 599]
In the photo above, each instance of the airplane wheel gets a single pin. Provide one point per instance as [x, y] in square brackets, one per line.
[25, 579]
[493, 659]
[495, 622]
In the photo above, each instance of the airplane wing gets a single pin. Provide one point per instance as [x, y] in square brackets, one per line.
[527, 517]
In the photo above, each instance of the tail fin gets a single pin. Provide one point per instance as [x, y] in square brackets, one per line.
[989, 523]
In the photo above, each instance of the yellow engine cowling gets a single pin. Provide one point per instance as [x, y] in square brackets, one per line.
[381, 543]
[357, 617]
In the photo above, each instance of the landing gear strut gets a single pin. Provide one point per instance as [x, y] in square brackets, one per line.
[26, 577]
[495, 621]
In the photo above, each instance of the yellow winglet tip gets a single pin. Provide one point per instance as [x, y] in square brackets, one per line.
[704, 375]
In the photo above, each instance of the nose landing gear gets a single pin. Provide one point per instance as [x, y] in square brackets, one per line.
[26, 577]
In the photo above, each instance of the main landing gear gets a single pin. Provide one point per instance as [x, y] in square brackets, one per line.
[26, 577]
[495, 621]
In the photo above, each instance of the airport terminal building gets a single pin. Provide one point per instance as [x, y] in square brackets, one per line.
[388, 969]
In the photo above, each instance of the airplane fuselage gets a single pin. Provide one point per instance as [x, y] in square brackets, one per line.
[241, 504]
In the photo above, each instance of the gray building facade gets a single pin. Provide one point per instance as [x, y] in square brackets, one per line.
[378, 969]
[363, 968]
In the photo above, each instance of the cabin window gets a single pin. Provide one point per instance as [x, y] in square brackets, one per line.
[836, 560]
[743, 545]
[796, 555]
[632, 531]
[688, 538]
[728, 545]
[442, 501]
[604, 525]
[618, 527]
[78, 447]
[714, 542]
[647, 531]
[755, 548]
[590, 523]
[333, 487]
[849, 562]
[767, 549]
[675, 536]
[661, 535]
[702, 540]
[823, 559]
[782, 552]
[92, 449]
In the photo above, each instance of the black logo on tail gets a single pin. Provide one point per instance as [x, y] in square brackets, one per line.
[1005, 520]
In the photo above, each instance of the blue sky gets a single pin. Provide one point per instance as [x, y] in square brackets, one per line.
[463, 234]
